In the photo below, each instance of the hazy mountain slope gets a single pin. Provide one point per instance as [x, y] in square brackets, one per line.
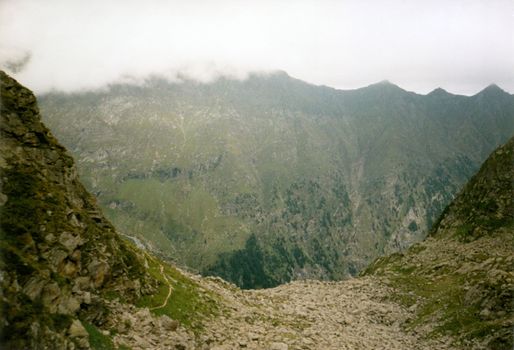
[271, 178]
[461, 279]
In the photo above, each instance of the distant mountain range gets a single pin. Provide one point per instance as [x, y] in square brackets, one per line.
[270, 179]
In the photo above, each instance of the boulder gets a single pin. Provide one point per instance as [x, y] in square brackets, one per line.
[77, 330]
[168, 324]
[68, 306]
[69, 241]
[33, 287]
[79, 334]
[99, 271]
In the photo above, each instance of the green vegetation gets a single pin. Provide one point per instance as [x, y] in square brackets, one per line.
[97, 339]
[326, 180]
[188, 303]
[447, 298]
[460, 281]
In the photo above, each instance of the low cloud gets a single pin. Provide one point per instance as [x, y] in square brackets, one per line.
[72, 45]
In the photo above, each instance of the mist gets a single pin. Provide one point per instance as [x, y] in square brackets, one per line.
[461, 46]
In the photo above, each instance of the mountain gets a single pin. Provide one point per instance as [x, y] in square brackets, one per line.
[69, 281]
[461, 278]
[271, 179]
[59, 254]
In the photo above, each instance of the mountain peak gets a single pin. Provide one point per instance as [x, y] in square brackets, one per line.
[385, 82]
[383, 87]
[439, 92]
[492, 89]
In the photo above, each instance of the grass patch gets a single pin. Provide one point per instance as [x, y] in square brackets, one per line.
[440, 293]
[188, 303]
[97, 340]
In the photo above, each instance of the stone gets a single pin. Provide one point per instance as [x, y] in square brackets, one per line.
[278, 346]
[79, 334]
[56, 256]
[253, 336]
[33, 287]
[68, 306]
[141, 342]
[50, 238]
[69, 241]
[485, 313]
[69, 269]
[3, 199]
[168, 323]
[221, 347]
[77, 330]
[82, 283]
[99, 270]
[51, 292]
[86, 298]
[75, 256]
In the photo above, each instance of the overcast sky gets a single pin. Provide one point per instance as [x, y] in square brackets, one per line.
[460, 45]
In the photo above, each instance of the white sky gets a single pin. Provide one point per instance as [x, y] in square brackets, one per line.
[460, 45]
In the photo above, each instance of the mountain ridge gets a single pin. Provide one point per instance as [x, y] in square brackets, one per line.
[310, 172]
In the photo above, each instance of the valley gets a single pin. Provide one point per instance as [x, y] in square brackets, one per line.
[271, 179]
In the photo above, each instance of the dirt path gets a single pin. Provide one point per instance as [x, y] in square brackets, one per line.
[170, 288]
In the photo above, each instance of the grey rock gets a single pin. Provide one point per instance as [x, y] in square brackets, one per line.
[279, 346]
[51, 292]
[68, 306]
[69, 241]
[77, 330]
[33, 287]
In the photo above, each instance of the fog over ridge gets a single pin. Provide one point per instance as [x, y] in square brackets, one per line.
[461, 46]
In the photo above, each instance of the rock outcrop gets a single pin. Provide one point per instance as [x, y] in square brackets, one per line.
[60, 256]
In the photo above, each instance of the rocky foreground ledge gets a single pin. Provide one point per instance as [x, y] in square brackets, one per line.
[354, 314]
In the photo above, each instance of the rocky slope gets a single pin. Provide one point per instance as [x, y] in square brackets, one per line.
[461, 279]
[271, 179]
[59, 254]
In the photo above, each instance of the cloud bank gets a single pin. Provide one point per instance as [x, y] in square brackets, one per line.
[460, 45]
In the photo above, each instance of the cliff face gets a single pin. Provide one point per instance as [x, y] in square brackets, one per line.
[60, 256]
